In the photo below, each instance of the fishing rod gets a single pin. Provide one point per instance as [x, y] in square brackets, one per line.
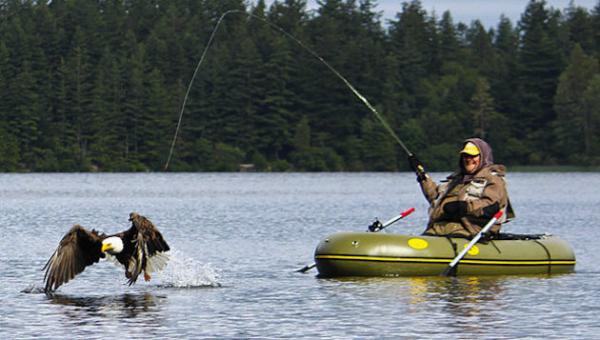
[374, 227]
[301, 44]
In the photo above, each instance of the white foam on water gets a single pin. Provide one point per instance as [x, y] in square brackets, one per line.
[185, 272]
[33, 289]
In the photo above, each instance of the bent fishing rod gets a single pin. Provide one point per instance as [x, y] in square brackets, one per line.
[306, 48]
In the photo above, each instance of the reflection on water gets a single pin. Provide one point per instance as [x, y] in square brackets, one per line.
[469, 290]
[457, 304]
[469, 300]
[120, 306]
[459, 291]
[417, 290]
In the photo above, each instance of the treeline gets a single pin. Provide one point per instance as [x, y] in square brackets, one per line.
[98, 86]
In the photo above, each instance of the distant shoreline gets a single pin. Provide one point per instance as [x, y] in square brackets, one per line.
[553, 168]
[510, 169]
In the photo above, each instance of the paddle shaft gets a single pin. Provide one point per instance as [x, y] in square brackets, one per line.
[385, 225]
[450, 270]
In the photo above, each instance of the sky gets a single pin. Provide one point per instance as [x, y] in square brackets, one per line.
[487, 11]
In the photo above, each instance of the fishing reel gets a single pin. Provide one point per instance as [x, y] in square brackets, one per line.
[375, 226]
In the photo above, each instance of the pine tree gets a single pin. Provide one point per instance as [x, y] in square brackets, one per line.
[333, 110]
[573, 127]
[4, 80]
[592, 121]
[156, 121]
[595, 26]
[78, 79]
[61, 133]
[449, 48]
[378, 149]
[580, 30]
[541, 62]
[483, 55]
[301, 141]
[482, 108]
[273, 119]
[24, 113]
[409, 38]
[132, 100]
[9, 151]
[290, 15]
[504, 80]
[106, 129]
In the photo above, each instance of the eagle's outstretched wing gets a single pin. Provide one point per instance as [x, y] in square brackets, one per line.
[78, 249]
[145, 248]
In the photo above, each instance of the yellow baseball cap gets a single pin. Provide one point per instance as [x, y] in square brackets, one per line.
[470, 149]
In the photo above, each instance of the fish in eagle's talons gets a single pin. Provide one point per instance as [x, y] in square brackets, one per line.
[141, 248]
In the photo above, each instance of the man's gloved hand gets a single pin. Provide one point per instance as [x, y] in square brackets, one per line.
[491, 210]
[417, 167]
[455, 209]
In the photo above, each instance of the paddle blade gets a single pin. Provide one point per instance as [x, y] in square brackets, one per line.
[450, 271]
[306, 268]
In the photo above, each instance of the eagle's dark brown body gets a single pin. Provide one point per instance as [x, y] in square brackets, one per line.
[142, 250]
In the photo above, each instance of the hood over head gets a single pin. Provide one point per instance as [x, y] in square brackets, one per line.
[485, 152]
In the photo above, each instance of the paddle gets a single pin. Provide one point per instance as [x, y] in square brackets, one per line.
[451, 270]
[375, 227]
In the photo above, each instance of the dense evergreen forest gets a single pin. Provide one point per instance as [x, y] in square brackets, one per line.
[98, 85]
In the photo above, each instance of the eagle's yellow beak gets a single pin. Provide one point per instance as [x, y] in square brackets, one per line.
[106, 246]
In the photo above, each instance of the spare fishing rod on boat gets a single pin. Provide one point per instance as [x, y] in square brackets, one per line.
[378, 226]
[451, 270]
[374, 227]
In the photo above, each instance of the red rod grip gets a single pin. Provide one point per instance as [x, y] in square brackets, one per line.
[498, 214]
[407, 212]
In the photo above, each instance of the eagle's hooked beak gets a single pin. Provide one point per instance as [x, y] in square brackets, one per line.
[106, 247]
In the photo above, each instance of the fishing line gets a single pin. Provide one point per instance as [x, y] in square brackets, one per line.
[187, 92]
[309, 50]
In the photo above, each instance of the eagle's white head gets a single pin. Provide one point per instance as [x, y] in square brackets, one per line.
[112, 245]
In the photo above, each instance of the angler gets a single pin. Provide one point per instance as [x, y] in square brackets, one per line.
[468, 198]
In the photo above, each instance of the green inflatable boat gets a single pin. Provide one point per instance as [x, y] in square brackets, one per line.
[380, 254]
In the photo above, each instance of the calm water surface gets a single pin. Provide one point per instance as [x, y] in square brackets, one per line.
[237, 240]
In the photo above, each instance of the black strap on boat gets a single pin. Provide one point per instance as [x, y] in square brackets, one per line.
[453, 245]
[547, 253]
[495, 246]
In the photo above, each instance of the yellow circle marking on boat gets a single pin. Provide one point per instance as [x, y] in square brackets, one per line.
[418, 243]
[473, 251]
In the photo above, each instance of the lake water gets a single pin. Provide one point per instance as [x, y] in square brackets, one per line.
[237, 240]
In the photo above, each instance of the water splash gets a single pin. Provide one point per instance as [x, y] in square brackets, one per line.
[186, 272]
[33, 289]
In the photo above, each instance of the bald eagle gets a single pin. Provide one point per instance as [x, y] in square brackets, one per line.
[140, 248]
